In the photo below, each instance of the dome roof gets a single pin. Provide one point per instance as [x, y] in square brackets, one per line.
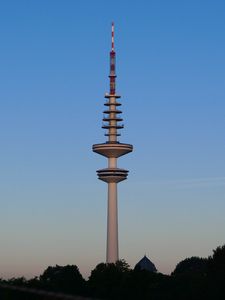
[145, 264]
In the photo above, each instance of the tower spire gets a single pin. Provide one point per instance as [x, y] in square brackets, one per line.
[112, 36]
[112, 149]
[112, 74]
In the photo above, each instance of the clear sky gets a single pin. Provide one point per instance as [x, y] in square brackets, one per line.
[54, 63]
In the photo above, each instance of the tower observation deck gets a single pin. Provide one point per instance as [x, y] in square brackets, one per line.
[112, 149]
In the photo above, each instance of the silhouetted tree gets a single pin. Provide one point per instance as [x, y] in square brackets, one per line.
[106, 280]
[65, 279]
[144, 284]
[217, 262]
[19, 281]
[193, 265]
[34, 283]
[216, 272]
[189, 279]
[193, 279]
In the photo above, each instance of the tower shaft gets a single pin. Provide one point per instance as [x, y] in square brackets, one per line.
[112, 250]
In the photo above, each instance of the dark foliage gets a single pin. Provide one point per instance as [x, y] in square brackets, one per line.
[193, 279]
[216, 272]
[66, 279]
[194, 265]
[107, 280]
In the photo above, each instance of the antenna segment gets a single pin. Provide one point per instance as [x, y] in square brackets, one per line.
[112, 36]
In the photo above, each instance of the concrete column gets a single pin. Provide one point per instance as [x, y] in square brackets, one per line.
[112, 162]
[112, 254]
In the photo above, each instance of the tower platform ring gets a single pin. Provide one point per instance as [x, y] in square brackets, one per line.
[112, 149]
[112, 174]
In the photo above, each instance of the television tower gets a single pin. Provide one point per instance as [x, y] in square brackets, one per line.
[112, 149]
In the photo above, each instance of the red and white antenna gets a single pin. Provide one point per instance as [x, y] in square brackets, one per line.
[112, 75]
[112, 36]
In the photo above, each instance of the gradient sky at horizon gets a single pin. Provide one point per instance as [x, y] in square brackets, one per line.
[54, 58]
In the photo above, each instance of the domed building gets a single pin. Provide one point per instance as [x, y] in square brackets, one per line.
[145, 264]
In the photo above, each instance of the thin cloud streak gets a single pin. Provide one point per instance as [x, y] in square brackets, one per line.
[190, 183]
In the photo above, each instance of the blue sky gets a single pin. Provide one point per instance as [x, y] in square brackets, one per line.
[54, 58]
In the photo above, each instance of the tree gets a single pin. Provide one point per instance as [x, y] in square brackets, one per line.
[193, 265]
[217, 261]
[143, 284]
[106, 280]
[65, 279]
[20, 281]
[216, 272]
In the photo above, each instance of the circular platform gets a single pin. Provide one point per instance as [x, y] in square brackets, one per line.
[112, 96]
[112, 149]
[112, 175]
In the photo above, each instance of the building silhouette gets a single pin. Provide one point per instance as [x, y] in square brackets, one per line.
[145, 264]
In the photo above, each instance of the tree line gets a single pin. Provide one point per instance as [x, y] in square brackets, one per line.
[194, 278]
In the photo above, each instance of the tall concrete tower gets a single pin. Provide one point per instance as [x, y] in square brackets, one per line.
[112, 149]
